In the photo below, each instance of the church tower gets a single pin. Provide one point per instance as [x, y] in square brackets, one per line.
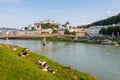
[67, 25]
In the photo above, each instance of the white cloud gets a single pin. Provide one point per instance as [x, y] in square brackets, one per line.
[111, 13]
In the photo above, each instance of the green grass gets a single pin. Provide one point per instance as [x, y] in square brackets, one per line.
[54, 39]
[116, 39]
[13, 67]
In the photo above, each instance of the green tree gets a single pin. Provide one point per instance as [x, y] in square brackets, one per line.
[66, 31]
[55, 31]
[26, 28]
[73, 33]
[33, 28]
[110, 30]
[86, 33]
[116, 30]
[103, 31]
[47, 26]
[109, 21]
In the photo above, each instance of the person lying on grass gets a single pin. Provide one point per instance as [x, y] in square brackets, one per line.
[44, 66]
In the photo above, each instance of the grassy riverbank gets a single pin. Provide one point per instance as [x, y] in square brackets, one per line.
[13, 67]
[83, 40]
[89, 40]
[64, 39]
[97, 40]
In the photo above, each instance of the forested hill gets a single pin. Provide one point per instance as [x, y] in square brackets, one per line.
[108, 21]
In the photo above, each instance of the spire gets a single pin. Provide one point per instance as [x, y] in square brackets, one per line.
[67, 22]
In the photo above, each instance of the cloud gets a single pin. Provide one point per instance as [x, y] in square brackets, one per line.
[111, 13]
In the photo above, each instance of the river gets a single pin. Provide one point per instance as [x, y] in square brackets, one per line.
[100, 60]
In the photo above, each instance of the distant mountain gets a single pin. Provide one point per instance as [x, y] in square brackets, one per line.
[8, 29]
[108, 21]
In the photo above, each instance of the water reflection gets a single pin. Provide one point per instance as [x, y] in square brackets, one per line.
[44, 49]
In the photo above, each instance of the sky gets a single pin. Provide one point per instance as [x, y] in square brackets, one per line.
[20, 13]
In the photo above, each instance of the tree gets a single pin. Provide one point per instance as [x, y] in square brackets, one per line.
[116, 30]
[55, 31]
[33, 28]
[86, 33]
[66, 31]
[110, 30]
[73, 33]
[109, 21]
[47, 26]
[26, 28]
[103, 31]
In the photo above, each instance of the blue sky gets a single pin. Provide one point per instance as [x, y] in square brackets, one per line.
[19, 13]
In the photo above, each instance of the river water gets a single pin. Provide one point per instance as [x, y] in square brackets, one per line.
[100, 60]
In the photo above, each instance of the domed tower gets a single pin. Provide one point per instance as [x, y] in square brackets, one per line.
[67, 25]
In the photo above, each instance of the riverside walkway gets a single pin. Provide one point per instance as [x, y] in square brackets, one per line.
[36, 35]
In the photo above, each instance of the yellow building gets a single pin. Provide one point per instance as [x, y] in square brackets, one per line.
[80, 31]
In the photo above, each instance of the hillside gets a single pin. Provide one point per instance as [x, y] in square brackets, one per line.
[13, 67]
[108, 21]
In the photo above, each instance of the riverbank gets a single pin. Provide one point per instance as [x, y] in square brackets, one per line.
[104, 41]
[83, 40]
[62, 39]
[13, 67]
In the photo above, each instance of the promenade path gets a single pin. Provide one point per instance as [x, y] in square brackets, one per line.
[36, 35]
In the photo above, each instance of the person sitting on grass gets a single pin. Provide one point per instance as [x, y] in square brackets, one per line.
[50, 70]
[45, 67]
[25, 52]
[41, 63]
[21, 55]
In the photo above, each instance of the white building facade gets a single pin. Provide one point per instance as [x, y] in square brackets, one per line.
[93, 31]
